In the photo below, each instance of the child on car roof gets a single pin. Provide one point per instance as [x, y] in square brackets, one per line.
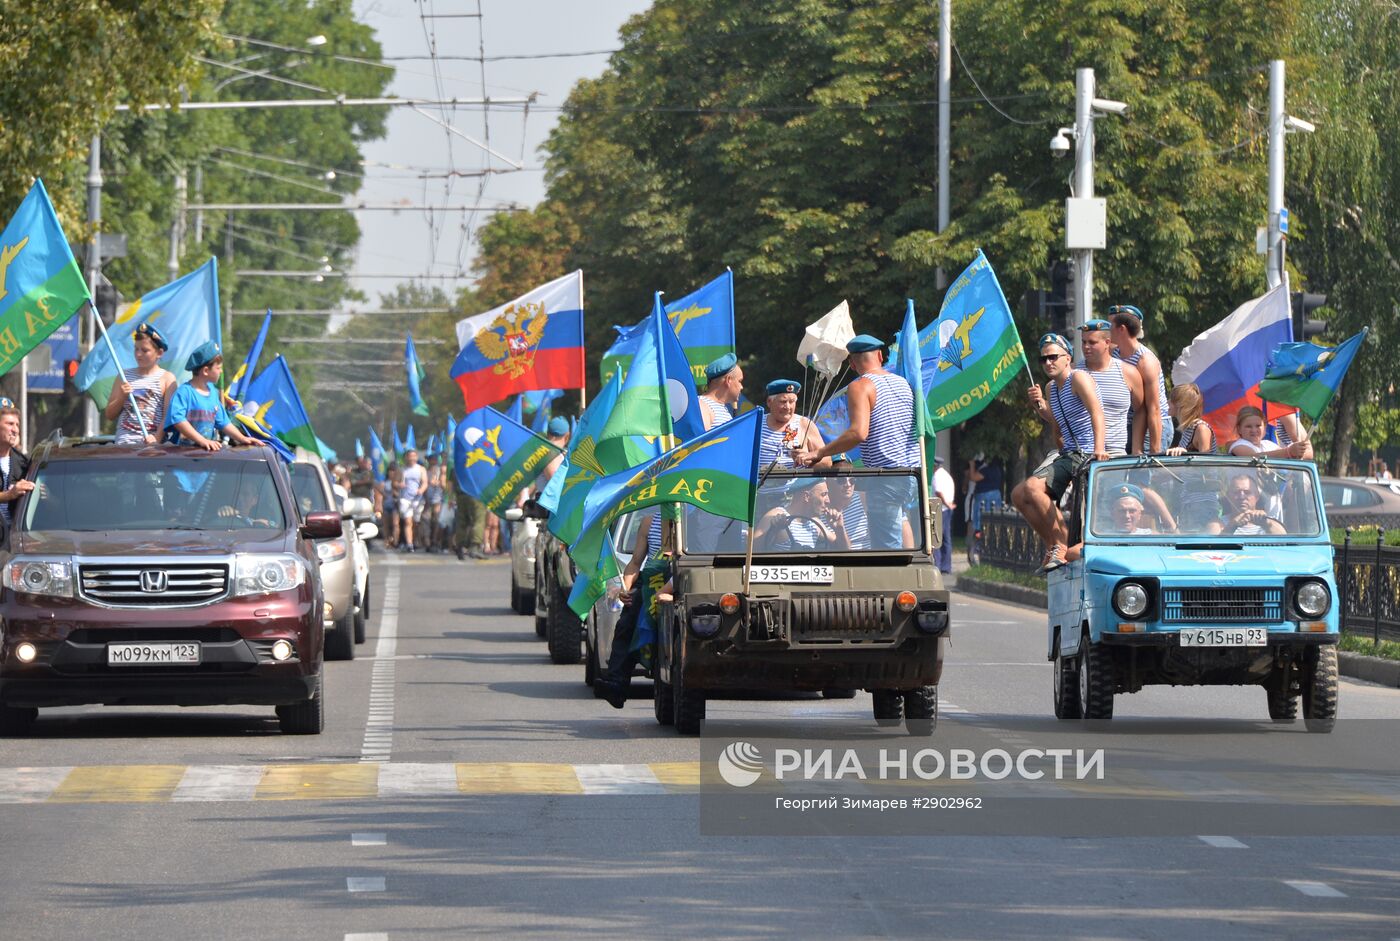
[146, 388]
[196, 411]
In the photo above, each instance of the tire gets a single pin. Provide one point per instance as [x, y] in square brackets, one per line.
[1066, 690]
[590, 660]
[364, 604]
[1320, 692]
[527, 601]
[340, 640]
[361, 616]
[514, 595]
[888, 705]
[663, 701]
[688, 712]
[17, 720]
[1095, 682]
[564, 630]
[304, 718]
[1283, 705]
[921, 710]
[541, 627]
[837, 692]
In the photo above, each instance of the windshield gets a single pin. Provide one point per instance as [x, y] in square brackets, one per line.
[122, 496]
[306, 488]
[1202, 497]
[849, 510]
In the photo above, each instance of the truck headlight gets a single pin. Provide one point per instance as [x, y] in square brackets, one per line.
[1312, 599]
[53, 577]
[1131, 600]
[332, 550]
[265, 574]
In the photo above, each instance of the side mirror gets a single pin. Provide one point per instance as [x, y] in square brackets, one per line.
[513, 514]
[534, 511]
[367, 531]
[358, 509]
[321, 525]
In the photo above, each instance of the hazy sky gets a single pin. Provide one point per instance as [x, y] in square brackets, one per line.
[414, 243]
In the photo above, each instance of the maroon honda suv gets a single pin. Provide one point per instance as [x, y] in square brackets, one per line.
[137, 576]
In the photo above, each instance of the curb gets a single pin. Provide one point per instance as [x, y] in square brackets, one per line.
[1374, 669]
[1356, 665]
[1016, 594]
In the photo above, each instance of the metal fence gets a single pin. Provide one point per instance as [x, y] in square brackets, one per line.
[1367, 573]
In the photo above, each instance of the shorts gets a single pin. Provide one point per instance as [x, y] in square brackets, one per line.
[1059, 470]
[411, 507]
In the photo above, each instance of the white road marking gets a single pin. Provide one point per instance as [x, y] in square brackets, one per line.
[1319, 890]
[218, 783]
[407, 779]
[30, 785]
[367, 936]
[368, 839]
[379, 726]
[1223, 842]
[364, 883]
[618, 779]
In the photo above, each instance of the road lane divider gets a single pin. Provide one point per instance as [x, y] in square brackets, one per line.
[378, 742]
[1317, 890]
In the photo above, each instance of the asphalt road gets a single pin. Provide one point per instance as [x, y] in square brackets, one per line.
[466, 787]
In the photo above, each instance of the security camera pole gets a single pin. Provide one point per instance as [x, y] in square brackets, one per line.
[1280, 124]
[1086, 217]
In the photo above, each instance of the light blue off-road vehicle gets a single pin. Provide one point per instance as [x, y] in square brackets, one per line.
[1196, 570]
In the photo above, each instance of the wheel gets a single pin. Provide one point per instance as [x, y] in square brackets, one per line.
[688, 712]
[1095, 681]
[590, 660]
[888, 705]
[17, 720]
[663, 700]
[541, 626]
[340, 640]
[304, 718]
[514, 595]
[838, 693]
[361, 615]
[1066, 690]
[564, 631]
[364, 604]
[921, 710]
[1283, 702]
[1320, 692]
[527, 601]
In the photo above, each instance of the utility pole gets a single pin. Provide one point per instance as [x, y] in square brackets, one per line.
[1273, 266]
[199, 213]
[94, 265]
[177, 225]
[945, 81]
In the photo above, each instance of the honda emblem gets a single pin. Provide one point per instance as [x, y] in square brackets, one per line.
[153, 581]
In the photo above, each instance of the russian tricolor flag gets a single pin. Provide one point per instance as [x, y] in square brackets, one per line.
[1228, 361]
[532, 342]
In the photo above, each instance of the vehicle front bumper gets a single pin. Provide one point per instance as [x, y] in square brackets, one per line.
[265, 686]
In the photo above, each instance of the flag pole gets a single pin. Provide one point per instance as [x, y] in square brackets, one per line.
[753, 524]
[583, 389]
[112, 350]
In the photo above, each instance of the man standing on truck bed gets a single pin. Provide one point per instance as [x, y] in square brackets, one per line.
[881, 407]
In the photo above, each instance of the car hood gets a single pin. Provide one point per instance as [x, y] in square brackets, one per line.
[1186, 561]
[150, 542]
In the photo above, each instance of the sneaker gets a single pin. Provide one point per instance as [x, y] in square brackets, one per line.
[1054, 559]
[461, 554]
[614, 693]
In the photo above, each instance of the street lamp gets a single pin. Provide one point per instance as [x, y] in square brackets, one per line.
[317, 40]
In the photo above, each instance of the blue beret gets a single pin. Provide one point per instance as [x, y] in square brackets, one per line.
[864, 343]
[1125, 309]
[204, 354]
[558, 426]
[152, 334]
[720, 366]
[799, 484]
[6, 402]
[780, 386]
[1128, 490]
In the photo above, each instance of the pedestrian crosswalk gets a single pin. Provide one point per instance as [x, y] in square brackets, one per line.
[335, 781]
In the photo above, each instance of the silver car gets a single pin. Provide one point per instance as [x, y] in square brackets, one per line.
[602, 621]
[344, 560]
[524, 532]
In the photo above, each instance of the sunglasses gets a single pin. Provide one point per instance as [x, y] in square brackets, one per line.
[1052, 357]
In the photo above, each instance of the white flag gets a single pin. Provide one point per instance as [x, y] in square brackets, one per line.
[823, 344]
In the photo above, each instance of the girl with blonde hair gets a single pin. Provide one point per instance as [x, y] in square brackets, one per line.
[1184, 403]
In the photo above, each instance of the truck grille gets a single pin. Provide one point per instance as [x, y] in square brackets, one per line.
[834, 614]
[1221, 605]
[154, 585]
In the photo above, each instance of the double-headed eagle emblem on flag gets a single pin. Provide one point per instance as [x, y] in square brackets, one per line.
[512, 338]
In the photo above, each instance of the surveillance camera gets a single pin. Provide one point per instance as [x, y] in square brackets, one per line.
[1298, 124]
[1110, 106]
[1059, 144]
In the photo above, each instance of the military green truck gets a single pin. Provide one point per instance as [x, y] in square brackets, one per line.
[838, 594]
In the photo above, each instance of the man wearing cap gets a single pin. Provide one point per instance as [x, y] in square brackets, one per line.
[196, 413]
[808, 522]
[1127, 328]
[784, 431]
[1070, 403]
[724, 382]
[14, 463]
[1125, 511]
[881, 409]
[943, 487]
[557, 433]
[1119, 388]
[147, 387]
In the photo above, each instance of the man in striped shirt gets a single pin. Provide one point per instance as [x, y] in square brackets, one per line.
[724, 383]
[881, 408]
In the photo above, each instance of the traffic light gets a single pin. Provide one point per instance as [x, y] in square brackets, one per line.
[70, 369]
[1304, 327]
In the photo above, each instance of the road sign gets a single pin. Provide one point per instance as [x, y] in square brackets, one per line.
[1283, 221]
[47, 359]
